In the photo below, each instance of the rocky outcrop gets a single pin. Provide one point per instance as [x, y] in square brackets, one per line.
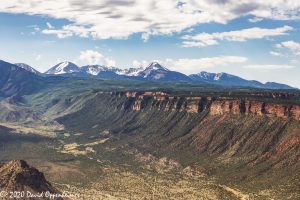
[163, 164]
[295, 112]
[213, 105]
[18, 176]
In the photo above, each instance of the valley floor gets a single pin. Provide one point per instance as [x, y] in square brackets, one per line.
[100, 170]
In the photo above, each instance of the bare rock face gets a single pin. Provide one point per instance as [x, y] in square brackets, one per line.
[295, 112]
[215, 106]
[277, 110]
[220, 107]
[18, 176]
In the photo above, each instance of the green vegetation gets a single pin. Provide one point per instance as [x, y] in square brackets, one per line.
[94, 143]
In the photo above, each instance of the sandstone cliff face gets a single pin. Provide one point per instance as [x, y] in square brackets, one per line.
[214, 106]
[277, 110]
[138, 103]
[295, 112]
[219, 107]
[254, 107]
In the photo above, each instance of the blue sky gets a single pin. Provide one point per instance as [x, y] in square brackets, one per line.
[252, 39]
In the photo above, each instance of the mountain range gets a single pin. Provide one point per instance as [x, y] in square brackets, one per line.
[15, 79]
[153, 72]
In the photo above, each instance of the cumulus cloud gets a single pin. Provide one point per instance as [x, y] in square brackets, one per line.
[269, 67]
[207, 39]
[94, 57]
[104, 19]
[290, 45]
[190, 66]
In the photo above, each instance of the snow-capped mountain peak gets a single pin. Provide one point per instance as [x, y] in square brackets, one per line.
[27, 68]
[156, 72]
[64, 68]
[156, 66]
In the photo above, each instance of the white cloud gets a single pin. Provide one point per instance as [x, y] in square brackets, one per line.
[275, 53]
[290, 45]
[94, 57]
[67, 31]
[255, 19]
[207, 39]
[59, 33]
[269, 67]
[36, 29]
[49, 25]
[104, 19]
[137, 63]
[190, 66]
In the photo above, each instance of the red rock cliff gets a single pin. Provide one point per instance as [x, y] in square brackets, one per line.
[215, 106]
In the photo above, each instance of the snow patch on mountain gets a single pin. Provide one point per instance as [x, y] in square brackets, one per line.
[157, 72]
[131, 71]
[27, 68]
[64, 68]
[156, 66]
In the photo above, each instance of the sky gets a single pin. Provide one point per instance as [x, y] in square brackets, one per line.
[254, 39]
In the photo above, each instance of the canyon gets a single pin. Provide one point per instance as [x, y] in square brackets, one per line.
[113, 138]
[258, 132]
[212, 105]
